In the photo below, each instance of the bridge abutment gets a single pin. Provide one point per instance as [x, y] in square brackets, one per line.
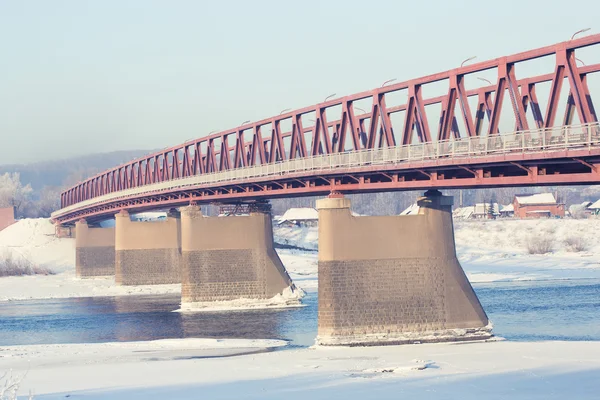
[94, 250]
[228, 258]
[393, 279]
[147, 253]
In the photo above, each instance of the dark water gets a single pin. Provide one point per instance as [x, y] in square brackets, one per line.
[563, 310]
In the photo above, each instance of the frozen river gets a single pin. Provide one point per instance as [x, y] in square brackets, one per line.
[521, 311]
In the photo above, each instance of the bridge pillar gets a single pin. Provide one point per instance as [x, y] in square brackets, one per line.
[393, 279]
[94, 250]
[228, 258]
[147, 253]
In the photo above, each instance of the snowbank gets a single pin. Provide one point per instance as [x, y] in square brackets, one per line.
[471, 371]
[497, 250]
[34, 240]
[303, 237]
[290, 297]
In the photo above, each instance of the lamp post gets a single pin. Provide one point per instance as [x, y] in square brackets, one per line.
[282, 111]
[580, 31]
[328, 97]
[388, 81]
[468, 59]
[485, 80]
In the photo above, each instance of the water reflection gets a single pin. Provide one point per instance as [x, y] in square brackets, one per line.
[565, 310]
[134, 318]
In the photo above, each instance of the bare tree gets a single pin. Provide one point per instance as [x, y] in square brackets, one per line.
[13, 193]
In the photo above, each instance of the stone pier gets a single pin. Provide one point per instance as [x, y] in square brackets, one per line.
[393, 279]
[227, 258]
[94, 250]
[147, 253]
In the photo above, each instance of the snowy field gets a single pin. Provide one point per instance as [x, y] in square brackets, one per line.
[489, 251]
[188, 369]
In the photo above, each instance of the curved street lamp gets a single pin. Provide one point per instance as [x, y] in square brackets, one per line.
[244, 123]
[580, 31]
[282, 111]
[468, 59]
[358, 108]
[485, 80]
[328, 97]
[388, 81]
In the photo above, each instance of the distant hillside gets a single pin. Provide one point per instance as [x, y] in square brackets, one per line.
[68, 171]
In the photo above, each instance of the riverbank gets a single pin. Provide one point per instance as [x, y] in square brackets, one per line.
[495, 370]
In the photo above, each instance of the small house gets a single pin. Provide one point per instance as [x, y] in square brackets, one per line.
[507, 211]
[539, 205]
[595, 208]
[307, 216]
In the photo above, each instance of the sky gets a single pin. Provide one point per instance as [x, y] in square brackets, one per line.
[82, 76]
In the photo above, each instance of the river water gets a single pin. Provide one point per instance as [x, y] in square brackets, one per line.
[536, 310]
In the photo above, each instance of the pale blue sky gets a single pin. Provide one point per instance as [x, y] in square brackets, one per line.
[89, 76]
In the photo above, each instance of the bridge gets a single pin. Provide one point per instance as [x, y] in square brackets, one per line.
[380, 140]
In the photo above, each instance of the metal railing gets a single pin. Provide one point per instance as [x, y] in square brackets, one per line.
[539, 140]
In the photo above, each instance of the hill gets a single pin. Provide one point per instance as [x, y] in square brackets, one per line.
[68, 171]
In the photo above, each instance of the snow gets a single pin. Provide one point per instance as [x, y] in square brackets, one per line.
[595, 206]
[413, 209]
[290, 297]
[538, 198]
[463, 212]
[508, 208]
[300, 214]
[496, 250]
[305, 237]
[34, 240]
[192, 369]
[65, 285]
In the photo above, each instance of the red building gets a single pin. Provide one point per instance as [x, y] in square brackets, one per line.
[539, 205]
[7, 217]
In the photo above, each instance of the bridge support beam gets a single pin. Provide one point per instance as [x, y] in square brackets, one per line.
[147, 253]
[94, 250]
[393, 279]
[228, 258]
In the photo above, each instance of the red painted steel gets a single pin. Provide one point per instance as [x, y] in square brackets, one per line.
[265, 142]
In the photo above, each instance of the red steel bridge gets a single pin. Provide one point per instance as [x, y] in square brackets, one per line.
[396, 137]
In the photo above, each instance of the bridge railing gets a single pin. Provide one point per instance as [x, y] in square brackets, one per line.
[540, 140]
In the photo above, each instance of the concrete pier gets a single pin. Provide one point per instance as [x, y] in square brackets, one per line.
[147, 253]
[227, 258]
[393, 279]
[94, 250]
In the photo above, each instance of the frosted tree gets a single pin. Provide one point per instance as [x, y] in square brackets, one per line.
[49, 201]
[13, 193]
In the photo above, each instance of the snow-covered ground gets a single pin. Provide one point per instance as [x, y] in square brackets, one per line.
[188, 369]
[34, 240]
[494, 250]
[497, 250]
